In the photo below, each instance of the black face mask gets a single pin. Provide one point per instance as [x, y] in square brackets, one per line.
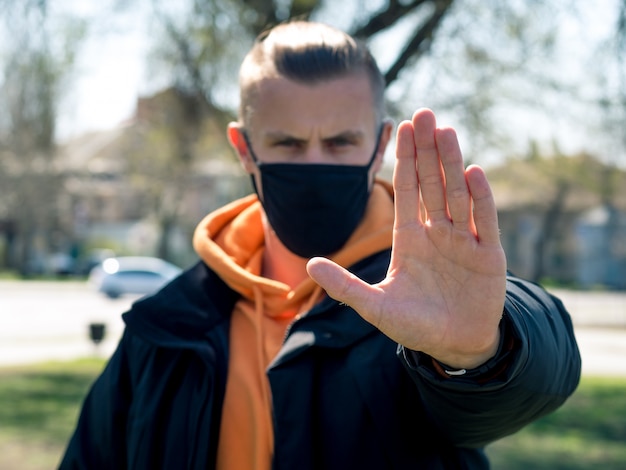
[313, 208]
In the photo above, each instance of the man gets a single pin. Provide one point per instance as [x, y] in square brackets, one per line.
[334, 321]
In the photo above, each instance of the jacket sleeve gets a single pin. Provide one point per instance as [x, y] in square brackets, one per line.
[532, 379]
[98, 441]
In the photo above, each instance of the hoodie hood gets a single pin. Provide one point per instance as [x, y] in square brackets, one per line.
[231, 242]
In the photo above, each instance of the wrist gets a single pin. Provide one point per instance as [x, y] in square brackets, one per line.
[463, 360]
[473, 361]
[491, 366]
[483, 373]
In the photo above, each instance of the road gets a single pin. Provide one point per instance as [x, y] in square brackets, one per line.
[42, 321]
[50, 321]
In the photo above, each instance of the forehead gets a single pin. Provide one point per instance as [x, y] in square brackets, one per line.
[336, 105]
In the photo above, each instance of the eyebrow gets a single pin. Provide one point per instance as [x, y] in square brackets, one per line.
[348, 135]
[279, 136]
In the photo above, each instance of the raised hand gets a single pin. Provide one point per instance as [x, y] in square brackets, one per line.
[445, 287]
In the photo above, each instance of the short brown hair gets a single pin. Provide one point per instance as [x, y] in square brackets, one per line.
[307, 52]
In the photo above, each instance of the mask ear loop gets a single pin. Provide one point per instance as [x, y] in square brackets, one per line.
[256, 162]
[380, 134]
[249, 145]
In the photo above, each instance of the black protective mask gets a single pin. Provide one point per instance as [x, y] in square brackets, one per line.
[313, 208]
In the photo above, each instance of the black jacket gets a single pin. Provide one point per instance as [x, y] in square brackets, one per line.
[344, 395]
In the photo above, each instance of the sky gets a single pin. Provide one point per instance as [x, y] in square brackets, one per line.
[111, 74]
[105, 92]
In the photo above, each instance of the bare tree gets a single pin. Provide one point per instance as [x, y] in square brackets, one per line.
[32, 73]
[473, 59]
[610, 62]
[201, 48]
[540, 198]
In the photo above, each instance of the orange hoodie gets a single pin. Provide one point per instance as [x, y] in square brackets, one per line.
[231, 242]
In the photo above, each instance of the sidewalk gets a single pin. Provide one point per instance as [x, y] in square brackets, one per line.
[603, 351]
[594, 309]
[600, 325]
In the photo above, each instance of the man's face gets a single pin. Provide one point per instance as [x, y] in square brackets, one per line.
[331, 122]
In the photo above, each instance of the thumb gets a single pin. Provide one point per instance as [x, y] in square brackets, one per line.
[338, 282]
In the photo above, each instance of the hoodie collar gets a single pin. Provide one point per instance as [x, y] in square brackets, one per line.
[231, 242]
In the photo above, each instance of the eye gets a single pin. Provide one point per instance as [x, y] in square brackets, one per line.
[289, 143]
[338, 143]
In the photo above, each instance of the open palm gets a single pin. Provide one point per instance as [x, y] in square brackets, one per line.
[445, 287]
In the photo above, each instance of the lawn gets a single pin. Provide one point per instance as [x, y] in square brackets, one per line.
[39, 406]
[38, 410]
[588, 432]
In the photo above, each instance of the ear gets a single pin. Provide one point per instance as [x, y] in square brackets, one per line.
[239, 144]
[385, 136]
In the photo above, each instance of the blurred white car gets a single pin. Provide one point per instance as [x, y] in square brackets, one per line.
[132, 275]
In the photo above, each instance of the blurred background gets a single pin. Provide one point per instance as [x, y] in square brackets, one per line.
[113, 144]
[113, 116]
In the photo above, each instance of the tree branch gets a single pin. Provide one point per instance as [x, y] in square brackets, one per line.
[421, 41]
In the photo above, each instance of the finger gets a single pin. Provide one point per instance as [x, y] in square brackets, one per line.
[431, 179]
[341, 285]
[406, 189]
[485, 213]
[456, 190]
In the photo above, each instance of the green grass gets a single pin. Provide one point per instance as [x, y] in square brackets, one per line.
[38, 409]
[39, 406]
[588, 432]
